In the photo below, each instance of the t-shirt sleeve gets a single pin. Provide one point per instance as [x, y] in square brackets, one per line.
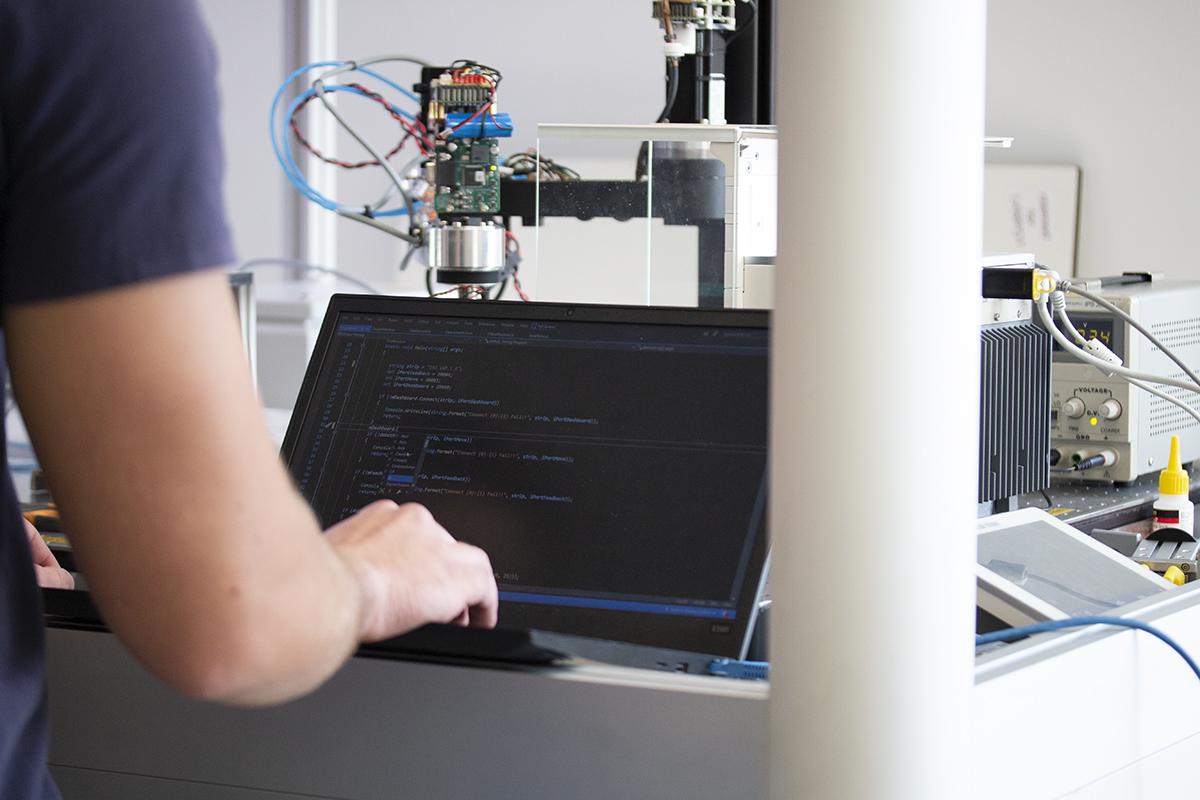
[110, 152]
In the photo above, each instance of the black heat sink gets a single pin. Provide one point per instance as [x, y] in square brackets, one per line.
[1014, 410]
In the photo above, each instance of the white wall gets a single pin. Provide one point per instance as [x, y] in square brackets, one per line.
[1109, 85]
[249, 37]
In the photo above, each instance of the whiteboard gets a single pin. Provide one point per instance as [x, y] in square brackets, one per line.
[1032, 208]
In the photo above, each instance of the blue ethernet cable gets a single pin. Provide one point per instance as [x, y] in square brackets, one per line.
[1083, 622]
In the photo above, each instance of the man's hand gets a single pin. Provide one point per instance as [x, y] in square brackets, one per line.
[412, 572]
[49, 574]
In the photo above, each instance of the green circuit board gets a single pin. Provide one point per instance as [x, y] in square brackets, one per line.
[467, 176]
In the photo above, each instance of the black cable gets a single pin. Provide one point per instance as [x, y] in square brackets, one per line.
[429, 281]
[643, 161]
[743, 26]
[1046, 497]
[492, 71]
[408, 256]
[643, 156]
[672, 88]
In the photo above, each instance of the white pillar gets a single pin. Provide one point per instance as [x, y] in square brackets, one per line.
[876, 396]
[311, 30]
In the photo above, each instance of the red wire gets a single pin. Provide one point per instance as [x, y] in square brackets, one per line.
[492, 117]
[471, 118]
[414, 131]
[517, 281]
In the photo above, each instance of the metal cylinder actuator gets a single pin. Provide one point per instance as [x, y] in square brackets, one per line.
[467, 254]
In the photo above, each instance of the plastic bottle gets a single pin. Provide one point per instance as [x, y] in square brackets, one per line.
[1172, 509]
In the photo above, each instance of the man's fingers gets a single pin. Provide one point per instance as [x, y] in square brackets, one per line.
[483, 599]
[484, 615]
[41, 553]
[54, 577]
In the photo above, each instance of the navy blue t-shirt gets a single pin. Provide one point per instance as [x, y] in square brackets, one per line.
[110, 173]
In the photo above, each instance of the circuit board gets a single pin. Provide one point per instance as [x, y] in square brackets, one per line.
[459, 109]
[467, 177]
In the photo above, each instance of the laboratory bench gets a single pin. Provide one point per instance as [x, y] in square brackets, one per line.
[1090, 713]
[393, 725]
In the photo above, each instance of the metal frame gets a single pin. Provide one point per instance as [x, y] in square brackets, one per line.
[739, 148]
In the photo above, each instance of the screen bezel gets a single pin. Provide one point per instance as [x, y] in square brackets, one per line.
[608, 623]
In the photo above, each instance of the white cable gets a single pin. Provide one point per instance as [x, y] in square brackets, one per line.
[257, 263]
[1173, 400]
[1104, 366]
[1060, 311]
[366, 62]
[1104, 303]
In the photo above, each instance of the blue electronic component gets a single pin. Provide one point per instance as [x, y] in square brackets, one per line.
[744, 670]
[485, 126]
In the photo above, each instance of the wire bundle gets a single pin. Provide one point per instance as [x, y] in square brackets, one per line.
[414, 130]
[320, 88]
[531, 163]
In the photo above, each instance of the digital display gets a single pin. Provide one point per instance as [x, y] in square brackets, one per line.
[615, 472]
[1100, 327]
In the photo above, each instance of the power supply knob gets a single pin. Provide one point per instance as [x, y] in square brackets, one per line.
[1074, 408]
[1110, 409]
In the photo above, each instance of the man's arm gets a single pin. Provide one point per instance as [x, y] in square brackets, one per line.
[200, 553]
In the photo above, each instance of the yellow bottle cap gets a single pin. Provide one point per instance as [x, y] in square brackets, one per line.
[1173, 479]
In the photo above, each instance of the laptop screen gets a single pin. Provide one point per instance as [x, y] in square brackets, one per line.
[611, 461]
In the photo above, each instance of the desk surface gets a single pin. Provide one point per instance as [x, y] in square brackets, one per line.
[384, 729]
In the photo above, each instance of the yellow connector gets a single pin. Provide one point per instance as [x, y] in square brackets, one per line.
[1175, 575]
[1045, 281]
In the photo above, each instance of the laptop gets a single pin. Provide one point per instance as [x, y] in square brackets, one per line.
[610, 460]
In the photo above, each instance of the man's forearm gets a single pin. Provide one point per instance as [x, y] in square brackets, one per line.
[303, 629]
[199, 551]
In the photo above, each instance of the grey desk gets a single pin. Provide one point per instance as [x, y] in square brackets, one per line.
[393, 729]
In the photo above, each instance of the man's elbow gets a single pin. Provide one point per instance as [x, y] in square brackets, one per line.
[232, 667]
[213, 673]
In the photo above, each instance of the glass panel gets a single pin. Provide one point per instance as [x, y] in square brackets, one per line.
[629, 221]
